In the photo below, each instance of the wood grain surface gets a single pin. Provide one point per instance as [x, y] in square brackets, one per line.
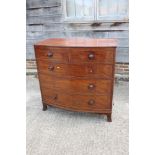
[79, 102]
[75, 70]
[78, 42]
[75, 86]
[77, 74]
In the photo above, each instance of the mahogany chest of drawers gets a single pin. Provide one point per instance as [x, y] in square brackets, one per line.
[77, 74]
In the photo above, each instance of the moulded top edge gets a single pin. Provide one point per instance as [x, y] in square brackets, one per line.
[78, 42]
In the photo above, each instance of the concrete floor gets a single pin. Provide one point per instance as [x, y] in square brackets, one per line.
[61, 132]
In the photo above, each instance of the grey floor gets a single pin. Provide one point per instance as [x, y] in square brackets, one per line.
[60, 132]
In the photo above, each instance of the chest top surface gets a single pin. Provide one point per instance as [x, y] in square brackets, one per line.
[78, 42]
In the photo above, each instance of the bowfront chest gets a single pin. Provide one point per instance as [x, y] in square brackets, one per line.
[77, 74]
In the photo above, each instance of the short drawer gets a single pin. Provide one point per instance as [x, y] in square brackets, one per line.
[76, 70]
[79, 102]
[52, 54]
[104, 55]
[75, 86]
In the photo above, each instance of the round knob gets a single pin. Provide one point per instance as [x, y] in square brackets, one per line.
[91, 102]
[50, 54]
[91, 56]
[91, 86]
[51, 68]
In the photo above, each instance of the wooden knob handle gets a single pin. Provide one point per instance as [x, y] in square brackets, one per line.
[91, 56]
[50, 54]
[91, 102]
[91, 86]
[51, 68]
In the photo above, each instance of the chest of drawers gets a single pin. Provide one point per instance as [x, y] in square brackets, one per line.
[77, 74]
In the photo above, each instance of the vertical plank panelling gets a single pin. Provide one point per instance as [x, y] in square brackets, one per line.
[79, 8]
[112, 7]
[123, 7]
[103, 7]
[88, 7]
[70, 8]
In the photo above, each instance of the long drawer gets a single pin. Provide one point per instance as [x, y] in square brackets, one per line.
[74, 55]
[79, 102]
[75, 70]
[75, 86]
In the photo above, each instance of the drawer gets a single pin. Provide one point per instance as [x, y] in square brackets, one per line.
[75, 86]
[79, 102]
[76, 70]
[52, 54]
[104, 55]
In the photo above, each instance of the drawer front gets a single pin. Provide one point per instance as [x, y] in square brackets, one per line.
[104, 55]
[75, 70]
[75, 86]
[52, 54]
[81, 102]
